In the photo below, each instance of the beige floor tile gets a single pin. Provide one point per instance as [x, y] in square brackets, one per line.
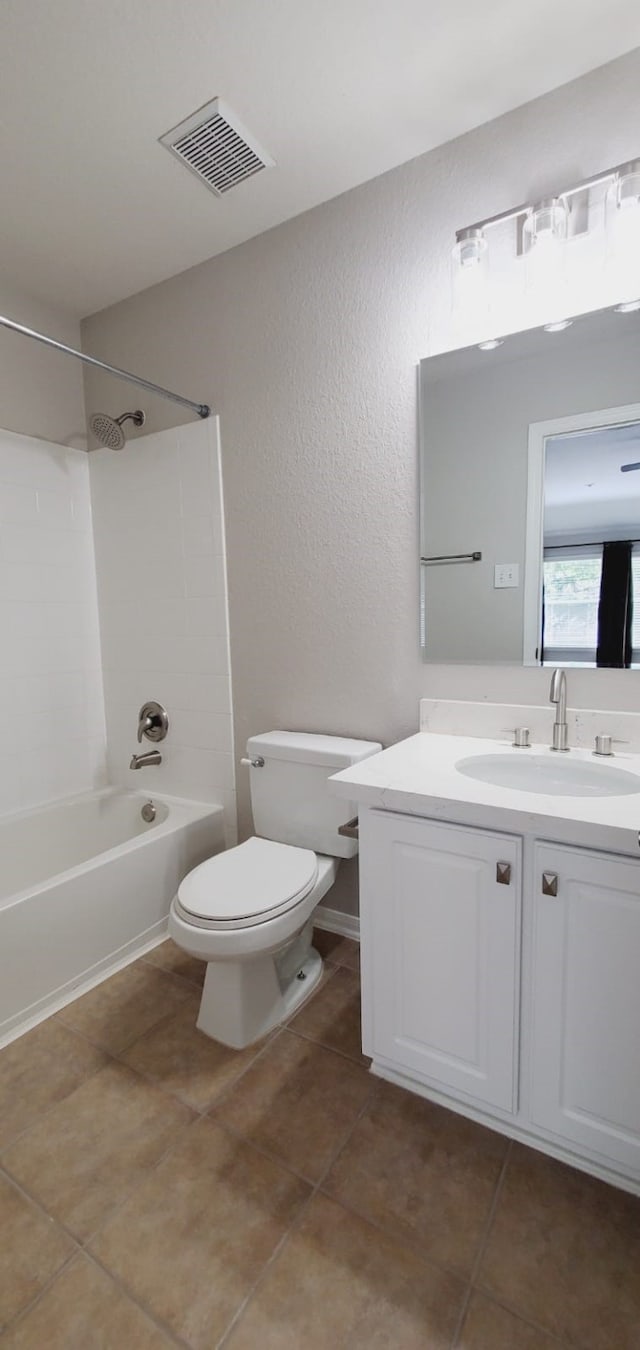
[424, 1174]
[33, 1249]
[337, 1284]
[488, 1327]
[193, 1239]
[38, 1070]
[84, 1310]
[336, 949]
[170, 957]
[298, 1101]
[332, 1016]
[91, 1149]
[564, 1251]
[184, 1061]
[122, 1008]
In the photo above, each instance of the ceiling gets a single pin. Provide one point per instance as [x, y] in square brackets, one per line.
[338, 91]
[583, 486]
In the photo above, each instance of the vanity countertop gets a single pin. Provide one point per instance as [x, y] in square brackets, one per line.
[418, 776]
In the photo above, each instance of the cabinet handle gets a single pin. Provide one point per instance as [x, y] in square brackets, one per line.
[549, 883]
[503, 874]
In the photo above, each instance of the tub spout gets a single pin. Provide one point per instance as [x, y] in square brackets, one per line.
[141, 761]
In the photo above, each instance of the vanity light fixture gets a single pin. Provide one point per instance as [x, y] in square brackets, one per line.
[490, 345]
[557, 327]
[543, 229]
[629, 307]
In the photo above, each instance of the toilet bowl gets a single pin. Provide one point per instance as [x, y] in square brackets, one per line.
[248, 912]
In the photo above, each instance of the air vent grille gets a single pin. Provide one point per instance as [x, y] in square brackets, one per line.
[216, 147]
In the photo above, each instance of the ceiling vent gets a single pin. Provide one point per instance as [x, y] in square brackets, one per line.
[216, 147]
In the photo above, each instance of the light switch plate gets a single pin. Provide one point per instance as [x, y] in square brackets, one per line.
[506, 575]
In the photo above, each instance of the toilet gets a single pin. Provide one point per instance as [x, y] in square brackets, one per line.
[249, 912]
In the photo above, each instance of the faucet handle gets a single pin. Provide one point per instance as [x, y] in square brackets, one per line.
[605, 743]
[153, 722]
[521, 737]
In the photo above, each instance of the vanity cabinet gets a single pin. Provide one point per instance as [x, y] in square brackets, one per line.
[585, 1000]
[508, 992]
[443, 905]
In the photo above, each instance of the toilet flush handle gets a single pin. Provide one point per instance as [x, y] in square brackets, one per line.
[257, 763]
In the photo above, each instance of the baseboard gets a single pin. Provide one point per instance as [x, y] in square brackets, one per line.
[59, 998]
[334, 921]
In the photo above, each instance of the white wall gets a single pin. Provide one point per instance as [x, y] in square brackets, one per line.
[159, 540]
[305, 340]
[52, 734]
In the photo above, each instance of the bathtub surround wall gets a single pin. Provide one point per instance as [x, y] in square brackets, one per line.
[159, 540]
[52, 729]
[305, 340]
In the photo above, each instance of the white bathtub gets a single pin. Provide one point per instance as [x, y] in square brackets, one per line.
[85, 885]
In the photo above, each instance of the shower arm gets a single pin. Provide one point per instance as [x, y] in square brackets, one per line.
[202, 409]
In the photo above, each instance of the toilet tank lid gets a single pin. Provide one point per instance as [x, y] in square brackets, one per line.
[308, 748]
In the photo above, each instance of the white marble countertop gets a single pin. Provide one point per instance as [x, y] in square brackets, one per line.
[418, 776]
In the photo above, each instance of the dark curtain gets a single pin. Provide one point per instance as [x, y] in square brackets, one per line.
[541, 656]
[615, 610]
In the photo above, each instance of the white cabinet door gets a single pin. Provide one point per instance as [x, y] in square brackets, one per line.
[585, 1066]
[440, 959]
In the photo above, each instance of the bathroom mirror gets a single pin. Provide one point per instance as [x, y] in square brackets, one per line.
[530, 497]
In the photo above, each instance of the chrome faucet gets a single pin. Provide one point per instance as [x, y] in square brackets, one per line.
[558, 695]
[141, 761]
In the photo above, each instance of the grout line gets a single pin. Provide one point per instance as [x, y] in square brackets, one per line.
[137, 1185]
[174, 1095]
[482, 1245]
[29, 1307]
[133, 1298]
[293, 1228]
[533, 1326]
[312, 1040]
[42, 1115]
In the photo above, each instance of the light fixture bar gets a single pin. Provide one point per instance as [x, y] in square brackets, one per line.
[631, 166]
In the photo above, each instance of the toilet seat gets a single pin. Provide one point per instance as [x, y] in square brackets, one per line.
[247, 885]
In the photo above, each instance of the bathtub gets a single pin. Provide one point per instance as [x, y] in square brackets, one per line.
[85, 886]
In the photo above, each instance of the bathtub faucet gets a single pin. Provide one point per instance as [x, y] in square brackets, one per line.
[141, 761]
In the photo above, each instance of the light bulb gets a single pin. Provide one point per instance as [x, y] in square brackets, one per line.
[470, 276]
[622, 224]
[544, 236]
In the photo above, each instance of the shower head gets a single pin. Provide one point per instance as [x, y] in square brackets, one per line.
[108, 430]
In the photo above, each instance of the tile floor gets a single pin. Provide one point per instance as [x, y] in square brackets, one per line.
[158, 1190]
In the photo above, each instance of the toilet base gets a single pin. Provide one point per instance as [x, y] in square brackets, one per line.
[243, 1000]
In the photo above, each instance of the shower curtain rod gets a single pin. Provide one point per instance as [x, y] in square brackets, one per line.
[202, 409]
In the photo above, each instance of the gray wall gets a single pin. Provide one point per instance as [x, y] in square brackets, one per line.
[41, 391]
[305, 340]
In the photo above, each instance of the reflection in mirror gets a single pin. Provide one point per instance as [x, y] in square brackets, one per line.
[530, 498]
[591, 569]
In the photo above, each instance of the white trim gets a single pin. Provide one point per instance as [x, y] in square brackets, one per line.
[67, 993]
[539, 433]
[334, 921]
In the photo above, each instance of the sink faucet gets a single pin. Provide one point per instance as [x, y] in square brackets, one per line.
[558, 695]
[141, 761]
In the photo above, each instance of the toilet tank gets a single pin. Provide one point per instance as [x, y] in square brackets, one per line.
[290, 798]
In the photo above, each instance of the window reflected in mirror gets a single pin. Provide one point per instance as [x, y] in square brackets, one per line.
[591, 611]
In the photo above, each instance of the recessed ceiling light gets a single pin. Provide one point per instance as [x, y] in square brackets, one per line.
[558, 327]
[490, 345]
[628, 307]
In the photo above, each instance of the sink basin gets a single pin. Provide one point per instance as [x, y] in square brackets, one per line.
[557, 775]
